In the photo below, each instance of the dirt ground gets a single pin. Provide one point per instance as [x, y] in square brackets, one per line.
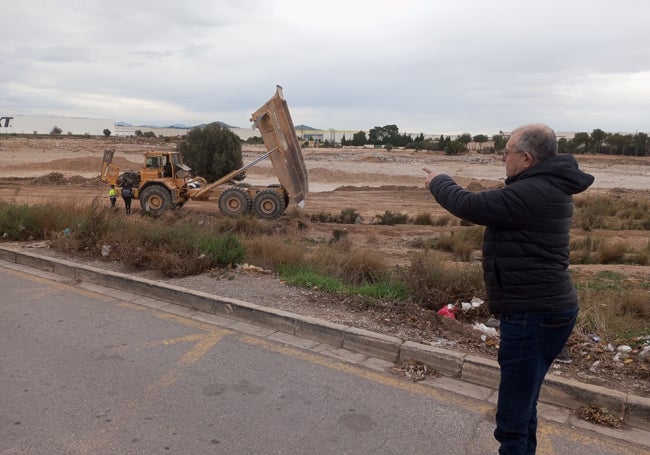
[369, 181]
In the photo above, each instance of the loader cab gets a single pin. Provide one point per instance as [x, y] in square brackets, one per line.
[160, 165]
[152, 162]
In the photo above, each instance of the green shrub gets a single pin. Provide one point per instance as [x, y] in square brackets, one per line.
[349, 216]
[323, 217]
[308, 278]
[223, 250]
[423, 219]
[390, 218]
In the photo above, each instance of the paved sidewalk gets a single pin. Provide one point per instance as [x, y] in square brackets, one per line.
[465, 374]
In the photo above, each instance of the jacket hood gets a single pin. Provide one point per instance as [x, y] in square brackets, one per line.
[562, 170]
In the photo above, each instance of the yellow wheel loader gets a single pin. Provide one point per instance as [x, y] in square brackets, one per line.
[165, 183]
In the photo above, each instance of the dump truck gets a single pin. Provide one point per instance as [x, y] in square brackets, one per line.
[165, 182]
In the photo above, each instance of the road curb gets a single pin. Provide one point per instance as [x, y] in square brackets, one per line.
[631, 409]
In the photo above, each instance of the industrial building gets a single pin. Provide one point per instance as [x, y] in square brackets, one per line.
[46, 124]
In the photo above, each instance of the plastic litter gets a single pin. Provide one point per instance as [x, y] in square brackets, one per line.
[489, 331]
[594, 337]
[447, 311]
[472, 304]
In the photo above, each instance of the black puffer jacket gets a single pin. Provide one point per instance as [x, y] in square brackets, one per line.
[526, 240]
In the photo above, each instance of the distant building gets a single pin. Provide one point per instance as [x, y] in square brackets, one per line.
[45, 124]
[130, 130]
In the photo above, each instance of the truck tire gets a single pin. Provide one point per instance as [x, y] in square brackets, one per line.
[155, 199]
[234, 202]
[268, 204]
[287, 200]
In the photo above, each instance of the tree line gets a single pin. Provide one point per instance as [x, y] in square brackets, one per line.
[598, 141]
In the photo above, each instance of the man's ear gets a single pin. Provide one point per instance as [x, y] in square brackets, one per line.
[529, 161]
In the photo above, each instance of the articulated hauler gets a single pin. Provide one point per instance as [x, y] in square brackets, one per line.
[164, 182]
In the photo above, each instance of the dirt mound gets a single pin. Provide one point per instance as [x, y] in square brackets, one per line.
[56, 178]
[370, 159]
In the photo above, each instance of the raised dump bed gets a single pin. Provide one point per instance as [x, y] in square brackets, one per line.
[273, 121]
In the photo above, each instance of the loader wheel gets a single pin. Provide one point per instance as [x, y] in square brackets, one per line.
[234, 202]
[268, 204]
[155, 199]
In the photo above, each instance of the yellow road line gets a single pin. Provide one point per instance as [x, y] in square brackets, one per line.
[201, 348]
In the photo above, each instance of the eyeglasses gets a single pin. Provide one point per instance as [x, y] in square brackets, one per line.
[506, 152]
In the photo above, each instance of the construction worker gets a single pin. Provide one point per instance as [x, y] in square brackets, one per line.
[127, 195]
[112, 195]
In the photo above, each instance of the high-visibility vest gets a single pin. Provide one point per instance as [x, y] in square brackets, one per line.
[112, 193]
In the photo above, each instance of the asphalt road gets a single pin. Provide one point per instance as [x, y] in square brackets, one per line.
[86, 370]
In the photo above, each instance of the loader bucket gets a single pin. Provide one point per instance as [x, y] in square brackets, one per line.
[109, 172]
[274, 123]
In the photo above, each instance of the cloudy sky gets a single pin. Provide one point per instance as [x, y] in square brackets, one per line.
[427, 66]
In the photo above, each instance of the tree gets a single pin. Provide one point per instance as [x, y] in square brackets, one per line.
[359, 139]
[598, 136]
[480, 139]
[465, 138]
[455, 147]
[212, 151]
[640, 141]
[56, 130]
[256, 140]
[107, 132]
[387, 134]
[582, 142]
[443, 143]
[500, 141]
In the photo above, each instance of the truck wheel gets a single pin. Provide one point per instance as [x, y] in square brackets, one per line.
[234, 202]
[287, 200]
[155, 199]
[268, 204]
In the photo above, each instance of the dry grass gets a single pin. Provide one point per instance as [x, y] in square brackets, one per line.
[612, 305]
[433, 281]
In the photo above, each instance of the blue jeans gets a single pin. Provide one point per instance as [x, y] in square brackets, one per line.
[529, 344]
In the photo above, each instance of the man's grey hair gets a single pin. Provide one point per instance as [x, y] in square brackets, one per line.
[539, 140]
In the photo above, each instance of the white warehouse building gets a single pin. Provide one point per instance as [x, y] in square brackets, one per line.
[44, 124]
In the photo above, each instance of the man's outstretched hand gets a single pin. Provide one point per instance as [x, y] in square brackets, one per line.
[430, 175]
